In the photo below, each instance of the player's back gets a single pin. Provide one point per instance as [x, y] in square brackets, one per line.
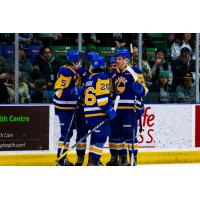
[66, 81]
[97, 91]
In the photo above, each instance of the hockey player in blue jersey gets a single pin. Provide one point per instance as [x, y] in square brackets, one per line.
[128, 82]
[97, 108]
[65, 101]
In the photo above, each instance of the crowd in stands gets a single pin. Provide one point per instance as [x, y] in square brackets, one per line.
[169, 74]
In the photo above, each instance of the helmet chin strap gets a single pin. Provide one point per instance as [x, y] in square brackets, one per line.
[126, 61]
[90, 68]
[77, 65]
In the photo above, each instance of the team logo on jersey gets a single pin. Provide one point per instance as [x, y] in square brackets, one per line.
[88, 83]
[120, 84]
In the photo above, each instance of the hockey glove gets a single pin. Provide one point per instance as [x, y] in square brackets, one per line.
[137, 88]
[77, 92]
[111, 113]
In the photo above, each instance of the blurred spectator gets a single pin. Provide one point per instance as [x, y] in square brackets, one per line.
[25, 38]
[4, 96]
[94, 39]
[147, 42]
[183, 64]
[182, 40]
[24, 96]
[145, 68]
[185, 93]
[161, 91]
[46, 67]
[10, 83]
[171, 37]
[50, 39]
[25, 66]
[159, 64]
[117, 39]
[40, 94]
[7, 38]
[69, 39]
[3, 65]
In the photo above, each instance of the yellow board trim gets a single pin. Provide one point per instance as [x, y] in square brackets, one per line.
[143, 158]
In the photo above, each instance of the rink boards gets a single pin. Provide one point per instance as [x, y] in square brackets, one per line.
[171, 135]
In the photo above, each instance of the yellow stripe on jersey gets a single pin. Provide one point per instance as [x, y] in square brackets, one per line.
[117, 145]
[142, 82]
[94, 149]
[70, 69]
[62, 82]
[64, 108]
[95, 115]
[102, 87]
[81, 146]
[102, 103]
[129, 107]
[129, 146]
[125, 107]
[78, 80]
[59, 93]
[60, 145]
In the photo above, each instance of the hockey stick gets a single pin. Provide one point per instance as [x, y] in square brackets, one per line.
[131, 48]
[133, 137]
[134, 134]
[140, 121]
[89, 132]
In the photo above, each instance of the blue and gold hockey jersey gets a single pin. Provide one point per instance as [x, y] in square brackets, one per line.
[97, 93]
[67, 79]
[122, 85]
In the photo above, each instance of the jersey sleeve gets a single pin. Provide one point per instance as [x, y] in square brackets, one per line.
[62, 84]
[140, 79]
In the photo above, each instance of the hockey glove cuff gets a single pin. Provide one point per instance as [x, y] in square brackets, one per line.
[111, 113]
